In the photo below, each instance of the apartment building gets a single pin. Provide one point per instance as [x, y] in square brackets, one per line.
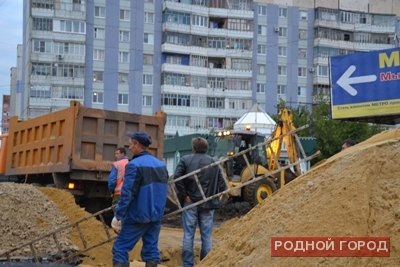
[204, 62]
[5, 113]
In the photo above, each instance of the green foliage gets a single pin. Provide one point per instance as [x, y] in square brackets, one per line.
[329, 133]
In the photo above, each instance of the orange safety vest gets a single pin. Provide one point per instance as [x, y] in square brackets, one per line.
[120, 166]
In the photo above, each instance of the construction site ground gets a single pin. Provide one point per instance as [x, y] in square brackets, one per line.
[354, 193]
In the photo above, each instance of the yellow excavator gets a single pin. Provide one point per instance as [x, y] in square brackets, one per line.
[260, 161]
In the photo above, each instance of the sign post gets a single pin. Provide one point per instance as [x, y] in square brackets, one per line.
[366, 84]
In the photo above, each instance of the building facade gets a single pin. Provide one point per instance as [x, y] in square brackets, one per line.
[203, 62]
[5, 113]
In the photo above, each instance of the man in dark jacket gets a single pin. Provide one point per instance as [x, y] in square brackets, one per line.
[212, 182]
[141, 206]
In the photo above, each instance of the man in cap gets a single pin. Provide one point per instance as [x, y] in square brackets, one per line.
[141, 206]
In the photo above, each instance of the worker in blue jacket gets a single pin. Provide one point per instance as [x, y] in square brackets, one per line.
[141, 207]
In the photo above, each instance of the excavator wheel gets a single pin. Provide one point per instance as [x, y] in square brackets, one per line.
[256, 192]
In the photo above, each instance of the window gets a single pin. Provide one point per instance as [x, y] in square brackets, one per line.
[346, 17]
[124, 15]
[97, 97]
[302, 72]
[147, 59]
[261, 88]
[176, 120]
[262, 30]
[148, 17]
[303, 34]
[98, 54]
[149, 1]
[282, 32]
[215, 123]
[260, 69]
[176, 17]
[322, 71]
[98, 76]
[262, 10]
[41, 46]
[282, 12]
[302, 53]
[174, 60]
[72, 26]
[42, 24]
[303, 15]
[40, 91]
[49, 4]
[282, 51]
[216, 102]
[282, 70]
[147, 79]
[148, 38]
[261, 49]
[301, 91]
[99, 12]
[123, 99]
[124, 36]
[99, 33]
[281, 89]
[42, 69]
[201, 21]
[69, 49]
[67, 92]
[124, 57]
[68, 70]
[123, 78]
[147, 101]
[240, 64]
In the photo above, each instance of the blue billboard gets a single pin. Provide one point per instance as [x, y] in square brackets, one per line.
[366, 84]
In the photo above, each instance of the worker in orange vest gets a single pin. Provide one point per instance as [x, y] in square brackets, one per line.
[116, 178]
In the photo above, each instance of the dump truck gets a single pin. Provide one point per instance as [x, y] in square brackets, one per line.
[74, 148]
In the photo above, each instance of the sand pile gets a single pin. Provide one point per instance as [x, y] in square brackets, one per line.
[26, 214]
[354, 193]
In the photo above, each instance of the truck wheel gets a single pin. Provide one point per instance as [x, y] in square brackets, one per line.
[256, 192]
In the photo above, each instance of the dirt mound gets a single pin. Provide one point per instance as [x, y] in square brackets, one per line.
[26, 214]
[354, 193]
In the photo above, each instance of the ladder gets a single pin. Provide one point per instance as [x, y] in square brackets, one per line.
[268, 143]
[171, 184]
[62, 256]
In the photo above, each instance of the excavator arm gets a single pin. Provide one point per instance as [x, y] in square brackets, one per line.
[284, 125]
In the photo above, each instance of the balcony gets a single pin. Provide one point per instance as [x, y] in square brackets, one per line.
[184, 69]
[321, 61]
[230, 33]
[334, 43]
[184, 49]
[215, 72]
[231, 13]
[321, 80]
[176, 27]
[371, 46]
[374, 28]
[49, 80]
[186, 8]
[50, 57]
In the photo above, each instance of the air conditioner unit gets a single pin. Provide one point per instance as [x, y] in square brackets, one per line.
[311, 69]
[60, 56]
[276, 29]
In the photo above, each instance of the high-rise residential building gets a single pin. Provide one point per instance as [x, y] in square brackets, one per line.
[5, 113]
[204, 62]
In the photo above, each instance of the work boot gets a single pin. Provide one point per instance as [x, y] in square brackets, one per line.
[151, 264]
[119, 264]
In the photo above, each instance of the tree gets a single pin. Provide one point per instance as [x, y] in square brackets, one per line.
[329, 133]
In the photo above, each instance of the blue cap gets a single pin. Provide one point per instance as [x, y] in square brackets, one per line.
[142, 137]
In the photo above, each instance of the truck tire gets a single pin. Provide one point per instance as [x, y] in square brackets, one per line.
[256, 192]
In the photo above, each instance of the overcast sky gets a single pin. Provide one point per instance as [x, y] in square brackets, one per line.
[10, 37]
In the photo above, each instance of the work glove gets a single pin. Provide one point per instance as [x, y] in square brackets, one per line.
[116, 225]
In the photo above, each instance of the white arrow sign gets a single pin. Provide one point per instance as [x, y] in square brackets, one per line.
[345, 81]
